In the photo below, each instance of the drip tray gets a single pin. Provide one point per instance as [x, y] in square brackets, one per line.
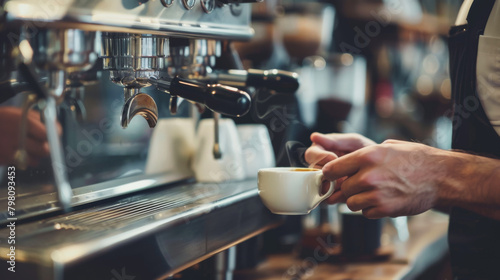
[146, 236]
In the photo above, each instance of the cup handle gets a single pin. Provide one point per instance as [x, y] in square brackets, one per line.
[319, 198]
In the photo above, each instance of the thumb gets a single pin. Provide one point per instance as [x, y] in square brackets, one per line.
[338, 142]
[330, 142]
[317, 156]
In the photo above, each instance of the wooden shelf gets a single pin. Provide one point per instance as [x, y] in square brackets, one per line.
[426, 230]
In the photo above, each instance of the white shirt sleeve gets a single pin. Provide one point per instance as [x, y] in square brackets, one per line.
[488, 68]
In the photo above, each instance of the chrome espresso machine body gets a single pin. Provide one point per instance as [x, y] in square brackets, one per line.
[95, 208]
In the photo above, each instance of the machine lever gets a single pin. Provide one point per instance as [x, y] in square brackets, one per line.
[218, 98]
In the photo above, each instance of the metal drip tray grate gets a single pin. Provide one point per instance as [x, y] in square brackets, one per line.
[176, 226]
[121, 214]
[158, 208]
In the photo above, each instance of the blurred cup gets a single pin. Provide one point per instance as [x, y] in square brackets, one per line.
[171, 147]
[257, 148]
[230, 166]
[360, 235]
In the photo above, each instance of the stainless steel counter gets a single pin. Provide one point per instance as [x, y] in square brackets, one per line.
[148, 235]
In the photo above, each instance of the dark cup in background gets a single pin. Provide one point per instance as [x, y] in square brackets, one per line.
[360, 235]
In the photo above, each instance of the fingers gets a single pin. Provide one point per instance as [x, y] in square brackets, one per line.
[59, 128]
[361, 193]
[317, 157]
[336, 197]
[392, 141]
[35, 115]
[345, 142]
[374, 213]
[325, 187]
[36, 130]
[35, 153]
[37, 148]
[347, 165]
[360, 182]
[33, 161]
[369, 203]
[36, 145]
[362, 201]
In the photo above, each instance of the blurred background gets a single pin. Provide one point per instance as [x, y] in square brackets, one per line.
[379, 68]
[374, 67]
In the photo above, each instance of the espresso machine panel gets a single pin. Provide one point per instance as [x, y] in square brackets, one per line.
[117, 88]
[90, 68]
[191, 18]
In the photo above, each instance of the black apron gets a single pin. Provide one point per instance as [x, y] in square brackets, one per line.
[474, 240]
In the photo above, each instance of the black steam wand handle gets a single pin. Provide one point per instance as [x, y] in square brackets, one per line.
[219, 98]
[277, 80]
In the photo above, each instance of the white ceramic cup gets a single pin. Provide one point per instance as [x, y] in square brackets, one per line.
[231, 166]
[171, 147]
[257, 148]
[292, 191]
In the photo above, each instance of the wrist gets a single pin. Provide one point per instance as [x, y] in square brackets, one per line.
[463, 179]
[451, 171]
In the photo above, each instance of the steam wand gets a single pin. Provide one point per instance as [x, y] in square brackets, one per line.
[216, 151]
[47, 102]
[219, 98]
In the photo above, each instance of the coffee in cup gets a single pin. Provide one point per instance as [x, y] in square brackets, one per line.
[292, 191]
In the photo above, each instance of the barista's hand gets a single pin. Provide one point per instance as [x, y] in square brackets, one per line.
[327, 147]
[394, 178]
[37, 146]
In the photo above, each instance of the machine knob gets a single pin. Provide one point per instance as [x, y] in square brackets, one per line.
[208, 5]
[167, 3]
[219, 98]
[239, 1]
[188, 4]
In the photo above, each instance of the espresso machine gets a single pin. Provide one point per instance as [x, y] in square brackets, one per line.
[99, 75]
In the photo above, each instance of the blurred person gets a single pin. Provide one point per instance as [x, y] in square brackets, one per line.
[398, 178]
[37, 145]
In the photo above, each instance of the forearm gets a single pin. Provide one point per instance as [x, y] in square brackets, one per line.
[471, 182]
